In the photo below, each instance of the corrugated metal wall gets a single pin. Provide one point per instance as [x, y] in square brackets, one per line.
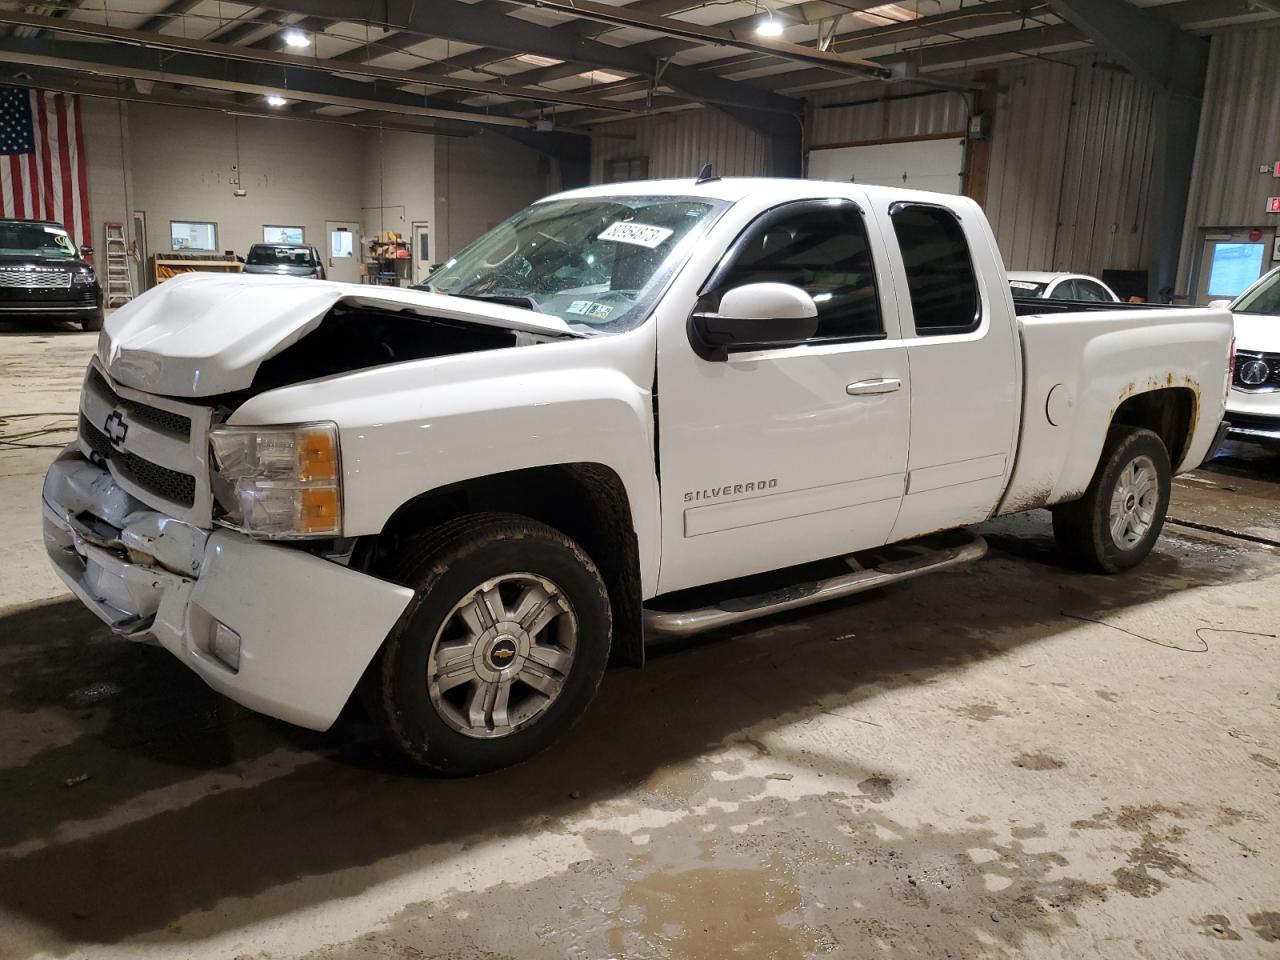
[1239, 131]
[1071, 154]
[936, 112]
[1071, 159]
[679, 143]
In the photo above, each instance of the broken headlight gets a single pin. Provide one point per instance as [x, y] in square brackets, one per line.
[278, 482]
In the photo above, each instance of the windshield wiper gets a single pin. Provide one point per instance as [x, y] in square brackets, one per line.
[510, 299]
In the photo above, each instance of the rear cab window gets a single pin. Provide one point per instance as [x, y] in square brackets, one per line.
[940, 276]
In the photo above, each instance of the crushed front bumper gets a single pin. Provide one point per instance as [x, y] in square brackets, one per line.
[307, 627]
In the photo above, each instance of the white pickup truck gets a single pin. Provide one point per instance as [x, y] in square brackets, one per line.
[600, 424]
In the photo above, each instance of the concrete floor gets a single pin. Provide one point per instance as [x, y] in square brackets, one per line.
[1009, 759]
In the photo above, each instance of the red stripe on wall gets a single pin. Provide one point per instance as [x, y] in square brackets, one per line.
[46, 181]
[82, 173]
[66, 216]
[32, 183]
[16, 179]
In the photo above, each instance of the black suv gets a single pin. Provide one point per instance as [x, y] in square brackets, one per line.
[42, 274]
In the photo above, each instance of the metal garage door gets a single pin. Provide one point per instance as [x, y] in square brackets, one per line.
[919, 164]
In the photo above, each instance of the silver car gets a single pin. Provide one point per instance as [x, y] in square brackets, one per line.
[284, 260]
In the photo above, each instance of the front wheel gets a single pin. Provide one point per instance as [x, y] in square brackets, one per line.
[93, 322]
[1118, 520]
[503, 649]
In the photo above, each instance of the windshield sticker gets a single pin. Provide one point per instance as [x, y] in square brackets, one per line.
[589, 308]
[1023, 285]
[637, 234]
[56, 231]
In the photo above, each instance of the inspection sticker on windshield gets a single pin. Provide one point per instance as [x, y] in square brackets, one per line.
[639, 234]
[590, 308]
[1023, 285]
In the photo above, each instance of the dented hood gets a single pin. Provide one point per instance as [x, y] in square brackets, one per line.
[200, 335]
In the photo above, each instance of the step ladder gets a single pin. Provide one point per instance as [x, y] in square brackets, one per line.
[119, 286]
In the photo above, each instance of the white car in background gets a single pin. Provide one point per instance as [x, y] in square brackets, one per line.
[1037, 285]
[1253, 403]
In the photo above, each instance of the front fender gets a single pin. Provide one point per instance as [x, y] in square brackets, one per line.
[410, 428]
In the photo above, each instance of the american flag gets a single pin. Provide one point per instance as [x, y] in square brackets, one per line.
[42, 162]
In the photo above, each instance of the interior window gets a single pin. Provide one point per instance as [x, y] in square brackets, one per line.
[940, 278]
[821, 248]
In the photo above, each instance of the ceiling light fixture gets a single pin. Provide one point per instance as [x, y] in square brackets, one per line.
[295, 38]
[275, 100]
[769, 25]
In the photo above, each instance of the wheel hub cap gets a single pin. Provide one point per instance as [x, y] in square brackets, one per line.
[502, 655]
[1134, 502]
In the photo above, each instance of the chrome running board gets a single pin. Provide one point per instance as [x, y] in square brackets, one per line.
[931, 553]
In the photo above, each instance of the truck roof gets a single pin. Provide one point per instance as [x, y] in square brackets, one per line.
[734, 189]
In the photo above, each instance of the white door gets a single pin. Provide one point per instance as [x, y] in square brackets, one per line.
[342, 240]
[934, 164]
[421, 251]
[788, 453]
[964, 353]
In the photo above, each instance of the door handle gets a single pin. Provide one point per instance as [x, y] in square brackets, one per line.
[880, 385]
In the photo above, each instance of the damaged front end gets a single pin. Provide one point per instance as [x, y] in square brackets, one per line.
[276, 629]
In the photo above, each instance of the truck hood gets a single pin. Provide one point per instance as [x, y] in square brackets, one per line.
[1257, 331]
[201, 335]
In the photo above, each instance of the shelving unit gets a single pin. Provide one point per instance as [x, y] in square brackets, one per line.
[167, 267]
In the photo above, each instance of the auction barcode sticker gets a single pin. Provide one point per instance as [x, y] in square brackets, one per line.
[640, 234]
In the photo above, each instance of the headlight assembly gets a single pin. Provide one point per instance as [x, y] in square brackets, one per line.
[278, 482]
[84, 277]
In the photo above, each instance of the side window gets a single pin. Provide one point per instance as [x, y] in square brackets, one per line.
[1065, 290]
[821, 248]
[1088, 290]
[940, 278]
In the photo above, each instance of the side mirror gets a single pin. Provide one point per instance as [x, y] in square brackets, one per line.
[86, 250]
[754, 314]
[1220, 303]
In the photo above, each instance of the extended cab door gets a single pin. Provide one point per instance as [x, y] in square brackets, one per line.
[796, 451]
[962, 346]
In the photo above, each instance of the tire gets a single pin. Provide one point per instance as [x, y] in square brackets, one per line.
[1134, 469]
[550, 670]
[92, 323]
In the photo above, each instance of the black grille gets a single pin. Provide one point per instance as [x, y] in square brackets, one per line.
[1244, 365]
[174, 424]
[169, 484]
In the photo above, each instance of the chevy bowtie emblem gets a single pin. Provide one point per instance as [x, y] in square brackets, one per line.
[503, 654]
[115, 428]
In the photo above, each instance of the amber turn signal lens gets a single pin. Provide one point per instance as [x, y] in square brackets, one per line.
[318, 510]
[317, 455]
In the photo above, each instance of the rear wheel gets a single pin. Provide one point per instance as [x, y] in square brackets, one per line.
[503, 650]
[1118, 520]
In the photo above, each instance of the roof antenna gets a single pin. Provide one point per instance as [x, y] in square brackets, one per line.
[707, 175]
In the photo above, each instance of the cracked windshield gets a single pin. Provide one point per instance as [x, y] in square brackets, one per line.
[597, 263]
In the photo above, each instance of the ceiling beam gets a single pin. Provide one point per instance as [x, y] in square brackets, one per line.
[465, 23]
[1146, 42]
[1017, 43]
[990, 13]
[168, 14]
[114, 60]
[137, 39]
[742, 39]
[119, 90]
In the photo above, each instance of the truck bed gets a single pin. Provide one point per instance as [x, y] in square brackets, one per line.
[1083, 361]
